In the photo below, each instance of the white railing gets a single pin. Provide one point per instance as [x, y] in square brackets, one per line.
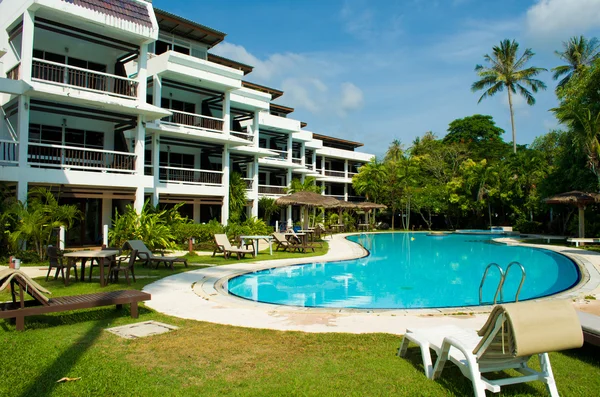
[190, 176]
[337, 196]
[84, 79]
[282, 155]
[196, 121]
[9, 152]
[249, 183]
[272, 190]
[9, 126]
[296, 160]
[244, 135]
[335, 174]
[15, 72]
[85, 159]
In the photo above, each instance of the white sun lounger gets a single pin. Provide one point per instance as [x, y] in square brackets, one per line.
[511, 336]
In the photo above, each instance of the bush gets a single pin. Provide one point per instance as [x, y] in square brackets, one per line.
[200, 232]
[525, 226]
[251, 226]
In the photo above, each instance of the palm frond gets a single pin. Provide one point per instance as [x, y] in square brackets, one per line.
[526, 94]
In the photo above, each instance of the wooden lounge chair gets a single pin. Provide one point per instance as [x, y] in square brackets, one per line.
[148, 257]
[512, 334]
[223, 245]
[288, 245]
[56, 262]
[41, 304]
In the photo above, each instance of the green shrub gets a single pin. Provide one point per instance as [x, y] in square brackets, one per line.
[525, 226]
[201, 232]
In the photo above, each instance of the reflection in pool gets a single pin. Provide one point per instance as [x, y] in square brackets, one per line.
[410, 270]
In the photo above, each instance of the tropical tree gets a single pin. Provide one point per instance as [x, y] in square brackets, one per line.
[480, 135]
[237, 197]
[370, 180]
[506, 70]
[267, 206]
[308, 185]
[579, 53]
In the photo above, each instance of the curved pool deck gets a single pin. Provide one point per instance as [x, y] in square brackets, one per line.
[200, 295]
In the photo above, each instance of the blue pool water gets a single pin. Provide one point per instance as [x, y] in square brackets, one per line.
[410, 270]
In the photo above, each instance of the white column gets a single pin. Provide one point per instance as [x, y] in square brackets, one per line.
[142, 73]
[255, 186]
[314, 159]
[322, 165]
[155, 167]
[303, 153]
[256, 128]
[156, 91]
[22, 191]
[289, 147]
[27, 45]
[345, 191]
[225, 182]
[226, 112]
[140, 132]
[290, 222]
[196, 212]
[23, 132]
[346, 168]
[106, 211]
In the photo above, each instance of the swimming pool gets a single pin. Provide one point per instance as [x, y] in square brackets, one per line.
[410, 270]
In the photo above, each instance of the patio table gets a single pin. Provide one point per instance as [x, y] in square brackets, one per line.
[257, 238]
[100, 256]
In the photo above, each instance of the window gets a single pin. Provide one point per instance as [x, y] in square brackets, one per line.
[169, 42]
[45, 134]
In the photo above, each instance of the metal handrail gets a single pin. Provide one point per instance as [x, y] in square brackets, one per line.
[499, 289]
[523, 275]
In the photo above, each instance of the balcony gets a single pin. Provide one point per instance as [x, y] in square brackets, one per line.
[190, 176]
[14, 73]
[194, 121]
[82, 159]
[249, 183]
[9, 153]
[83, 79]
[271, 190]
[296, 160]
[335, 174]
[243, 135]
[340, 197]
[282, 155]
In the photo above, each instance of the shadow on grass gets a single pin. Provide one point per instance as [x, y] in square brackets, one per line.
[99, 315]
[589, 354]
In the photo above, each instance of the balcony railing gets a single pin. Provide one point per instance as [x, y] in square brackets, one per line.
[14, 73]
[249, 183]
[9, 152]
[191, 176]
[282, 155]
[196, 121]
[84, 159]
[84, 79]
[336, 174]
[272, 190]
[243, 135]
[296, 160]
[336, 196]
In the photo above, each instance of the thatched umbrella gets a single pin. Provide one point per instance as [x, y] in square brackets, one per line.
[579, 199]
[307, 199]
[367, 207]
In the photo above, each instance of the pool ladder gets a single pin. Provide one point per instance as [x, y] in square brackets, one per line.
[503, 275]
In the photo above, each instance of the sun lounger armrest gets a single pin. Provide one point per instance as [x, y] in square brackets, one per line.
[143, 255]
[444, 354]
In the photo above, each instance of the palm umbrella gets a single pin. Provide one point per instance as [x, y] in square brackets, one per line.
[579, 199]
[307, 199]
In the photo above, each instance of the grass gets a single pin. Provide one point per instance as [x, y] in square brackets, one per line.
[214, 360]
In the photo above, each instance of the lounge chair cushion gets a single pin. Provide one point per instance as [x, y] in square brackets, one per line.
[7, 275]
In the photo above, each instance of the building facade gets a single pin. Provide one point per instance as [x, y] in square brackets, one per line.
[115, 102]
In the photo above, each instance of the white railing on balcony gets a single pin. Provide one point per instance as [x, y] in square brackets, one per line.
[296, 160]
[84, 159]
[243, 135]
[15, 72]
[249, 183]
[9, 152]
[335, 174]
[190, 176]
[84, 79]
[282, 155]
[196, 121]
[272, 190]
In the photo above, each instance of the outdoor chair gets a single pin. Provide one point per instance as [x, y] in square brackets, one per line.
[512, 334]
[148, 257]
[223, 245]
[125, 265]
[56, 262]
[108, 262]
[19, 308]
[288, 245]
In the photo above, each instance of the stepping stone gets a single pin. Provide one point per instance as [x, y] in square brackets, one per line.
[140, 330]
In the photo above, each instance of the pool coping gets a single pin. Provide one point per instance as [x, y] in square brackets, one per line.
[202, 295]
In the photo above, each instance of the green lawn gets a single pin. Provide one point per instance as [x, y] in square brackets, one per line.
[215, 360]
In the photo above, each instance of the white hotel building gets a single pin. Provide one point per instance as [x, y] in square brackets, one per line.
[111, 102]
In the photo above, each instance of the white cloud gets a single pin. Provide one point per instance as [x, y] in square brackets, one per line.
[352, 97]
[560, 18]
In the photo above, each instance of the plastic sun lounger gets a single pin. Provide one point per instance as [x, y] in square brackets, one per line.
[223, 245]
[146, 255]
[581, 240]
[590, 325]
[512, 334]
[41, 304]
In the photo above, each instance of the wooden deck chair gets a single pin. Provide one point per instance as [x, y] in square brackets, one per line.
[512, 334]
[285, 243]
[19, 308]
[148, 257]
[223, 245]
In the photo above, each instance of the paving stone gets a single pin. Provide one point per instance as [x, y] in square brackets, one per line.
[140, 330]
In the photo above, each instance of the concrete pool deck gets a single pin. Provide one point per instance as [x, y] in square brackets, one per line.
[201, 295]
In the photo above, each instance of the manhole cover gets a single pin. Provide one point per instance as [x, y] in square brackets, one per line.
[139, 330]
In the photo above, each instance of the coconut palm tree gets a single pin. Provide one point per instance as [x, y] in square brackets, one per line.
[370, 180]
[579, 52]
[506, 70]
[309, 185]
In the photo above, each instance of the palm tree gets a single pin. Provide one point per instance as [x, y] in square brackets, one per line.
[370, 180]
[579, 52]
[309, 185]
[506, 71]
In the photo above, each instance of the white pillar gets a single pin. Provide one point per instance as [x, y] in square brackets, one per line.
[142, 74]
[289, 147]
[155, 167]
[61, 238]
[157, 91]
[22, 191]
[23, 132]
[314, 159]
[196, 212]
[322, 165]
[255, 186]
[303, 153]
[345, 192]
[256, 128]
[27, 45]
[106, 211]
[105, 235]
[290, 222]
[139, 163]
[346, 168]
[226, 112]
[225, 182]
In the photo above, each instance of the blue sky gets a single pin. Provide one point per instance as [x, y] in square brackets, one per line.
[375, 71]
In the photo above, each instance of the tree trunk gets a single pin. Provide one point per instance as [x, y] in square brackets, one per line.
[393, 210]
[512, 121]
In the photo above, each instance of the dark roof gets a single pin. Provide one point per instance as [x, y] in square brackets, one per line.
[280, 108]
[337, 142]
[179, 26]
[274, 93]
[303, 124]
[231, 63]
[129, 10]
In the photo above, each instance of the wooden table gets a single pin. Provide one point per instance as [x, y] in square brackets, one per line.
[257, 238]
[100, 256]
[310, 233]
[339, 226]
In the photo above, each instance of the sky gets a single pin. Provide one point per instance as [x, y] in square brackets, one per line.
[375, 71]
